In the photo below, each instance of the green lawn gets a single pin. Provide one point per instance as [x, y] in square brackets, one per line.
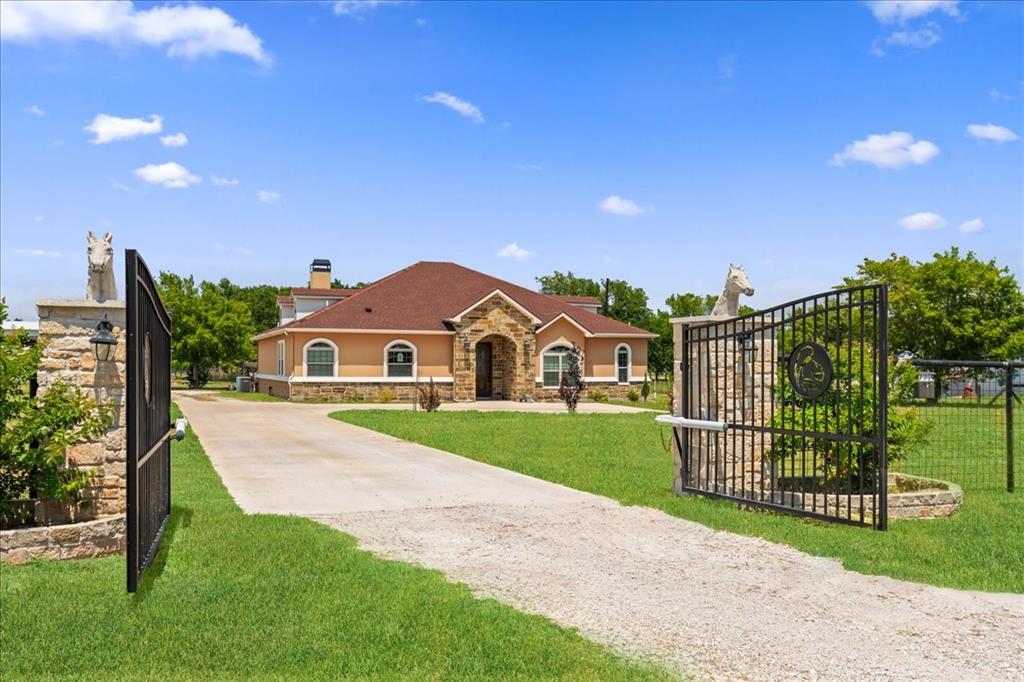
[271, 597]
[966, 444]
[257, 397]
[621, 456]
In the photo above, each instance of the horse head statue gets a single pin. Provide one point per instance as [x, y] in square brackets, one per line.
[736, 283]
[101, 268]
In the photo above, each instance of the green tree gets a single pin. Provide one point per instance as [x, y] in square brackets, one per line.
[260, 298]
[35, 430]
[659, 349]
[627, 303]
[952, 307]
[568, 284]
[338, 284]
[209, 329]
[690, 305]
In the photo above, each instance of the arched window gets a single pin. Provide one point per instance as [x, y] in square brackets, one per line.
[553, 364]
[400, 359]
[320, 357]
[622, 363]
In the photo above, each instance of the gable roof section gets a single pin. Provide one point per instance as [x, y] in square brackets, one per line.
[579, 300]
[424, 295]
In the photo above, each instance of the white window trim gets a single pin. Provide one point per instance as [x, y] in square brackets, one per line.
[629, 362]
[540, 365]
[337, 354]
[280, 357]
[415, 359]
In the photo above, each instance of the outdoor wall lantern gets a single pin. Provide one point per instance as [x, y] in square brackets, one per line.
[104, 343]
[748, 347]
[465, 343]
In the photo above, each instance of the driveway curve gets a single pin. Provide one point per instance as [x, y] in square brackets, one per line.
[702, 602]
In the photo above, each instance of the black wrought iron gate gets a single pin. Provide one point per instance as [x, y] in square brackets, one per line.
[786, 408]
[149, 417]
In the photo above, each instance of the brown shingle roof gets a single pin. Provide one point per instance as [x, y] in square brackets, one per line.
[332, 293]
[422, 296]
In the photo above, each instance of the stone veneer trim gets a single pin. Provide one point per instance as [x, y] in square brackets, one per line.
[97, 538]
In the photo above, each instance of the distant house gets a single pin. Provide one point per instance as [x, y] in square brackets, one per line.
[476, 336]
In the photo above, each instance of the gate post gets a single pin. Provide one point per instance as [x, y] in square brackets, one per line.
[882, 521]
[1009, 427]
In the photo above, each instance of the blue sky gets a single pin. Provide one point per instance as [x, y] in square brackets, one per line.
[648, 142]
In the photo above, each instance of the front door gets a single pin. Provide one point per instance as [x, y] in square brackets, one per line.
[483, 370]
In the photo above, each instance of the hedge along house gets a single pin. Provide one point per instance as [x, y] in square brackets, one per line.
[476, 336]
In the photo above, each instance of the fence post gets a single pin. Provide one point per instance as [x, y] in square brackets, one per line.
[1009, 427]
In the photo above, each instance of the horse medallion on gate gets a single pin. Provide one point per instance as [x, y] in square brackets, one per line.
[810, 370]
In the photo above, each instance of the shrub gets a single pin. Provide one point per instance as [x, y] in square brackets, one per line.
[36, 431]
[633, 396]
[571, 384]
[645, 390]
[386, 396]
[430, 398]
[598, 396]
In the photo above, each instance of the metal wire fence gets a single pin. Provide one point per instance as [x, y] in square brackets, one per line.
[970, 409]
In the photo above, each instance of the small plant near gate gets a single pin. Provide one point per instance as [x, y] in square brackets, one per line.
[571, 384]
[633, 396]
[430, 398]
[386, 396]
[598, 396]
[37, 429]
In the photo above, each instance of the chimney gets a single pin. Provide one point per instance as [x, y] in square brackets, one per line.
[320, 274]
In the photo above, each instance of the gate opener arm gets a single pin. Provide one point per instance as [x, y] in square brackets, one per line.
[701, 424]
[179, 428]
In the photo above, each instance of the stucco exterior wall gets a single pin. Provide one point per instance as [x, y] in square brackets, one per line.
[600, 357]
[563, 331]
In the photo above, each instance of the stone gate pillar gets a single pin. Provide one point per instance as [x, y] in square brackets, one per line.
[65, 327]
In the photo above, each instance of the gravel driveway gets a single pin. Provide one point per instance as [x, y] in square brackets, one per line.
[704, 603]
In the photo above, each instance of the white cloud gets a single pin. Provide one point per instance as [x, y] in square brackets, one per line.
[38, 218]
[460, 106]
[991, 132]
[170, 175]
[973, 225]
[34, 110]
[619, 206]
[922, 221]
[889, 150]
[360, 8]
[532, 167]
[268, 197]
[422, 23]
[110, 128]
[175, 140]
[900, 11]
[38, 253]
[513, 251]
[57, 143]
[223, 182]
[1000, 96]
[119, 185]
[187, 31]
[920, 39]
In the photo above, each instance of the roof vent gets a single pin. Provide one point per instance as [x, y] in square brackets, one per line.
[368, 309]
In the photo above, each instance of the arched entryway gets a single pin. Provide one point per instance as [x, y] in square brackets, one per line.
[495, 368]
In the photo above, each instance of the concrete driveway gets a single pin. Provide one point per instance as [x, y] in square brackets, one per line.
[702, 602]
[290, 458]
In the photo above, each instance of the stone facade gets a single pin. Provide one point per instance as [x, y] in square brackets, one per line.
[73, 541]
[610, 389]
[304, 391]
[735, 386]
[499, 322]
[65, 327]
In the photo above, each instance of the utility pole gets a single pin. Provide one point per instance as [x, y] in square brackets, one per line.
[604, 308]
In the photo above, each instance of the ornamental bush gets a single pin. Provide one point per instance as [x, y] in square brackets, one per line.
[36, 430]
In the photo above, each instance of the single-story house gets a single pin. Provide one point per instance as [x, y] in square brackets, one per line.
[475, 336]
